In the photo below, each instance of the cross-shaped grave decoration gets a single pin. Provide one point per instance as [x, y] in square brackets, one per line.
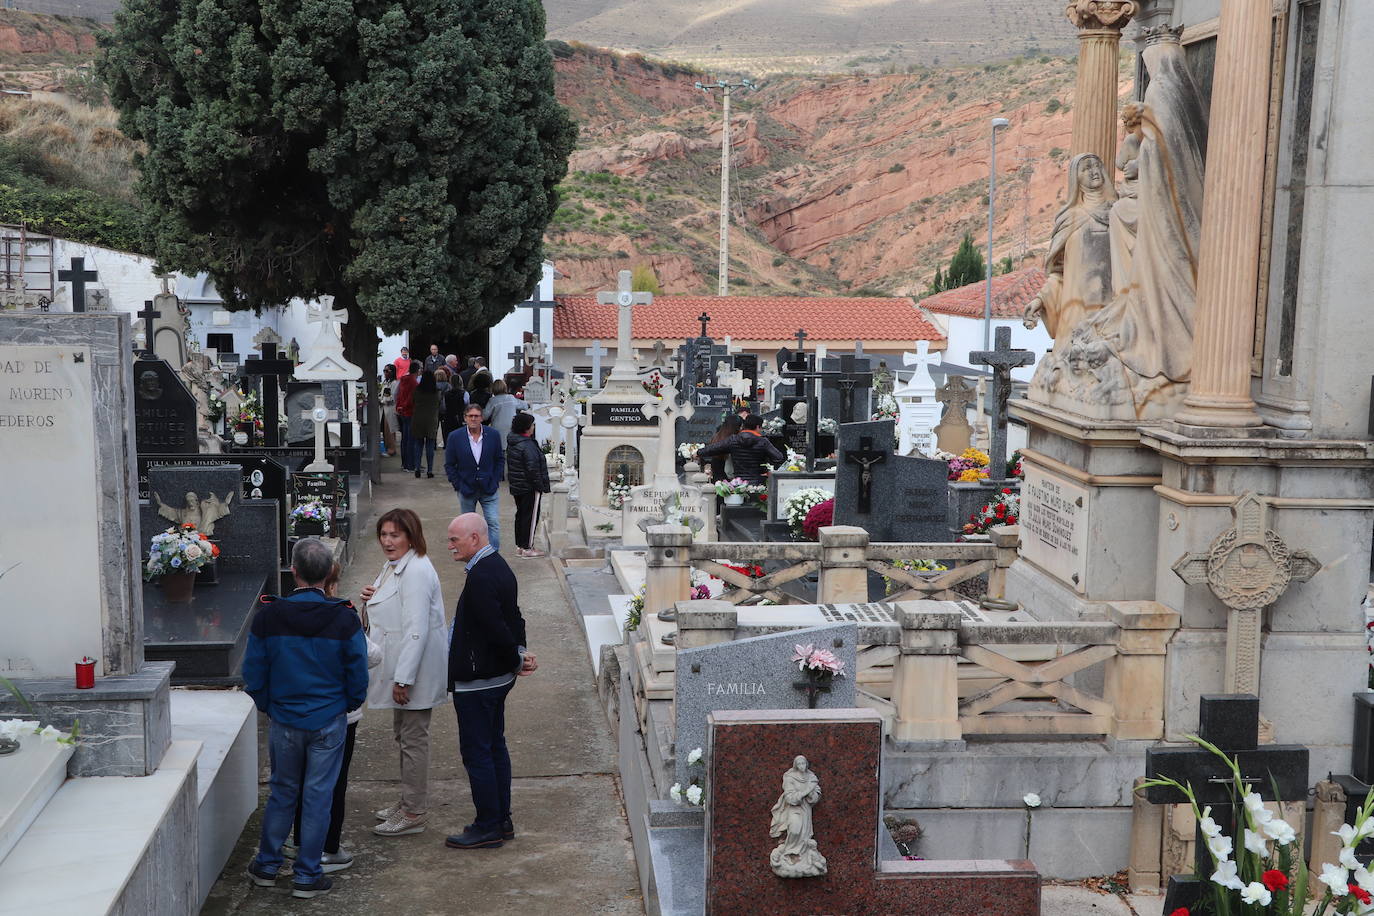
[517, 358]
[536, 306]
[956, 394]
[78, 276]
[705, 319]
[801, 336]
[678, 359]
[270, 367]
[1001, 359]
[667, 409]
[320, 416]
[845, 380]
[659, 361]
[148, 313]
[922, 359]
[625, 298]
[324, 360]
[596, 351]
[803, 373]
[1231, 723]
[1247, 567]
[266, 335]
[865, 456]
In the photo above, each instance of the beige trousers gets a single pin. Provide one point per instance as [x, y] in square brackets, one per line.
[411, 727]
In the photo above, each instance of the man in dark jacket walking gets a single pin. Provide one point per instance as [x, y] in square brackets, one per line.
[486, 653]
[305, 667]
[528, 473]
[750, 452]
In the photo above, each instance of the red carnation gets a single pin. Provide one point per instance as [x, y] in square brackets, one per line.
[821, 515]
[1181, 911]
[1007, 490]
[1361, 894]
[1274, 880]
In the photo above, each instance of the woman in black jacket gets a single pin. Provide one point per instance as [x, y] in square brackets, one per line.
[727, 428]
[528, 473]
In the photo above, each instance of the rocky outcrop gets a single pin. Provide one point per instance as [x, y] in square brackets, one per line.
[29, 34]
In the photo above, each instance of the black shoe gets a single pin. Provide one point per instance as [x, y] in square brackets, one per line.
[417, 475]
[259, 875]
[471, 839]
[320, 885]
[430, 475]
[507, 829]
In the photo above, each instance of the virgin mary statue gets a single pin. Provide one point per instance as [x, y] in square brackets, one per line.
[796, 856]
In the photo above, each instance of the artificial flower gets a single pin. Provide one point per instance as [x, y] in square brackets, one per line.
[1274, 879]
[676, 792]
[1031, 799]
[1336, 878]
[1226, 876]
[694, 795]
[801, 654]
[1256, 893]
[50, 734]
[694, 757]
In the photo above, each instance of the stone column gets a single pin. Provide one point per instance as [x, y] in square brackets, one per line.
[1144, 874]
[557, 517]
[844, 573]
[668, 577]
[1228, 263]
[925, 679]
[1099, 25]
[1135, 677]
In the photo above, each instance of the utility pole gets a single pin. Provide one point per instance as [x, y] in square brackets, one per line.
[726, 88]
[995, 125]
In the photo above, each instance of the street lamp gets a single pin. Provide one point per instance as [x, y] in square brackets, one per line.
[997, 124]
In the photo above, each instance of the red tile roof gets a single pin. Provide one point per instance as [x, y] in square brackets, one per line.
[771, 319]
[1010, 295]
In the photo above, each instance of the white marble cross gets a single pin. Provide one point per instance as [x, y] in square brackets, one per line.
[922, 359]
[324, 360]
[626, 298]
[596, 351]
[321, 416]
[667, 409]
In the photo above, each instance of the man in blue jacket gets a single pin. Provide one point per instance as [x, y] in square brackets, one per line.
[305, 667]
[475, 462]
[486, 653]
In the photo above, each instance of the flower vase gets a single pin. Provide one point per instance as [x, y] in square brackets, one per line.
[734, 499]
[178, 586]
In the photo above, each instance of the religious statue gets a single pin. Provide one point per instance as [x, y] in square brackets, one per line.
[1078, 268]
[796, 856]
[1132, 359]
[799, 413]
[200, 375]
[202, 512]
[1126, 210]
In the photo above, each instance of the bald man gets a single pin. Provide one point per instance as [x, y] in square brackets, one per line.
[486, 654]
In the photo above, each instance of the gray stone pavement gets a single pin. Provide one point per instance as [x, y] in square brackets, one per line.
[572, 854]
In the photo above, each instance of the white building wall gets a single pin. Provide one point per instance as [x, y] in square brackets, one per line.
[509, 332]
[128, 278]
[966, 335]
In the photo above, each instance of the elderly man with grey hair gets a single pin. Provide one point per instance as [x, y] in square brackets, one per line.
[305, 667]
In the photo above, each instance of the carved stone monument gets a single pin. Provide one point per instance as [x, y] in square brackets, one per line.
[796, 856]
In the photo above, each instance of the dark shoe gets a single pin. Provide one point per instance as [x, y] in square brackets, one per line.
[471, 839]
[430, 475]
[507, 829]
[417, 475]
[320, 885]
[259, 875]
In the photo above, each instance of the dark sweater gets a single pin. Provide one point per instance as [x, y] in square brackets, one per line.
[488, 630]
[751, 454]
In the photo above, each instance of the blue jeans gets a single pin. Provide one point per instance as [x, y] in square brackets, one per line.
[482, 743]
[407, 444]
[491, 511]
[305, 764]
[427, 446]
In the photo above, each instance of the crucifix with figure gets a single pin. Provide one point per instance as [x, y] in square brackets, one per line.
[1247, 567]
[845, 380]
[78, 276]
[625, 299]
[1001, 359]
[320, 416]
[865, 456]
[270, 368]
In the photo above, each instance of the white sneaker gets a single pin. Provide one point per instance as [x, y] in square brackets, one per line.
[387, 813]
[335, 861]
[402, 824]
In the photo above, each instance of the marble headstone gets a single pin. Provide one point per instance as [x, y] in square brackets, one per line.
[907, 498]
[164, 410]
[754, 673]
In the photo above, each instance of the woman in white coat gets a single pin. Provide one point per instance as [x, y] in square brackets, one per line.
[405, 609]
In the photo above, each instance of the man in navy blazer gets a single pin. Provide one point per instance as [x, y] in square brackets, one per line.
[475, 462]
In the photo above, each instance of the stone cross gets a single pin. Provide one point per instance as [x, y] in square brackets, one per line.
[517, 358]
[659, 348]
[705, 319]
[325, 360]
[596, 351]
[147, 314]
[625, 298]
[269, 367]
[536, 306]
[97, 300]
[952, 433]
[78, 276]
[922, 359]
[865, 456]
[1274, 772]
[1001, 359]
[1247, 568]
[801, 336]
[321, 417]
[667, 409]
[266, 335]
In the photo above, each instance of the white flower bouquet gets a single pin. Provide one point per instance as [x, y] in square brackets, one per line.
[617, 492]
[795, 507]
[687, 451]
[794, 462]
[773, 426]
[179, 549]
[696, 790]
[828, 426]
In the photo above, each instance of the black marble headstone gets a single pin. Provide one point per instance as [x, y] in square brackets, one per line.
[164, 411]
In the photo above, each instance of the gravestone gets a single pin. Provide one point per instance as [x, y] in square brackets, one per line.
[202, 496]
[953, 433]
[699, 428]
[906, 495]
[846, 390]
[783, 484]
[1001, 360]
[261, 478]
[754, 673]
[917, 404]
[749, 753]
[164, 410]
[664, 503]
[747, 364]
[1272, 771]
[330, 489]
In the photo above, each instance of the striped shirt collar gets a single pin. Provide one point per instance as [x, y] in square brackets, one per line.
[482, 554]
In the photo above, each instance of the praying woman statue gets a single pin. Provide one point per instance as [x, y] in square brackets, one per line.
[796, 856]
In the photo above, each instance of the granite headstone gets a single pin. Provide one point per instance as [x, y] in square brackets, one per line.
[164, 410]
[907, 500]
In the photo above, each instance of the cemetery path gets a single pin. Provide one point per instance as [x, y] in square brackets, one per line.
[572, 854]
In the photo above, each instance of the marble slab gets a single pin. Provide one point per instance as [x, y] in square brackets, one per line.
[1054, 526]
[32, 776]
[206, 636]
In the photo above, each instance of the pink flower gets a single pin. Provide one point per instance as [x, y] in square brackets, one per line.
[801, 655]
[825, 660]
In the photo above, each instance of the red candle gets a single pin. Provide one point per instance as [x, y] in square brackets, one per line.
[85, 673]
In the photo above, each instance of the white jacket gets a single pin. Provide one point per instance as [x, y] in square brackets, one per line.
[374, 658]
[407, 619]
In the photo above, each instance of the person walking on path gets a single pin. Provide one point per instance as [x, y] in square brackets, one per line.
[387, 397]
[750, 452]
[500, 410]
[528, 473]
[452, 400]
[475, 464]
[424, 423]
[405, 608]
[486, 654]
[405, 408]
[305, 666]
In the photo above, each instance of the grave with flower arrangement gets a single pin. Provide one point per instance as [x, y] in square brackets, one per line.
[894, 497]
